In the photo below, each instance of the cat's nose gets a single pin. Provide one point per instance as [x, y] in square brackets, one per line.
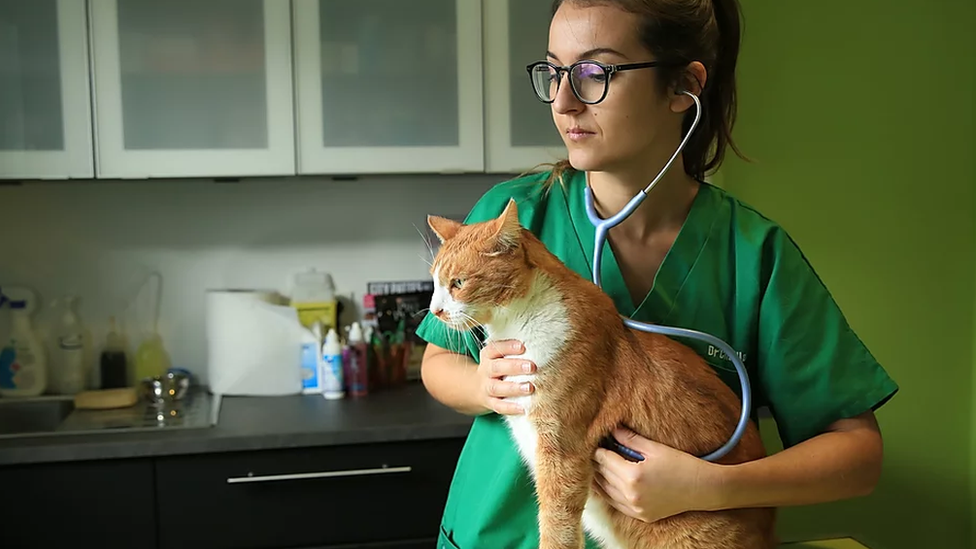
[437, 311]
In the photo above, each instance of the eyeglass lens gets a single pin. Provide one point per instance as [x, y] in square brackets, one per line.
[589, 80]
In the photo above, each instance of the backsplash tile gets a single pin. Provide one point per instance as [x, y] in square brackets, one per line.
[99, 240]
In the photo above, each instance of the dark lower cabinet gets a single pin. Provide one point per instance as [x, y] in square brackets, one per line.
[107, 504]
[368, 496]
[382, 496]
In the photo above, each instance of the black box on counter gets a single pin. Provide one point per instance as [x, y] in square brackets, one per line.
[397, 308]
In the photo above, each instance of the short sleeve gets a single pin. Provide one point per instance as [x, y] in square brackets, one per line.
[813, 368]
[431, 329]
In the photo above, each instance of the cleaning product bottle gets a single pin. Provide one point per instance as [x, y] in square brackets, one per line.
[23, 363]
[68, 373]
[331, 378]
[354, 358]
[113, 361]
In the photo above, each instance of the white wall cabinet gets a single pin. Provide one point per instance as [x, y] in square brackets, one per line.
[519, 130]
[209, 88]
[389, 86]
[189, 88]
[45, 103]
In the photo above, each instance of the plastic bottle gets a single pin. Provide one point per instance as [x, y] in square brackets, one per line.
[69, 374]
[354, 358]
[113, 361]
[23, 363]
[331, 378]
[151, 358]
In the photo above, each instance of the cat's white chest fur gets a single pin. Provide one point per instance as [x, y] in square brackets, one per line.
[541, 322]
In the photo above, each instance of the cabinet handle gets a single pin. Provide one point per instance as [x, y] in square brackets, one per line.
[324, 474]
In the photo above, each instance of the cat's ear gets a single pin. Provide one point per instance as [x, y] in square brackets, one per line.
[509, 230]
[444, 228]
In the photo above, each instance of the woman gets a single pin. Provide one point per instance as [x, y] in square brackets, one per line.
[691, 256]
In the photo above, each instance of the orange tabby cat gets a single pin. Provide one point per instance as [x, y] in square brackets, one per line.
[593, 374]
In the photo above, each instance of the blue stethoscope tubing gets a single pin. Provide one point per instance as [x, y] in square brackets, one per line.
[603, 226]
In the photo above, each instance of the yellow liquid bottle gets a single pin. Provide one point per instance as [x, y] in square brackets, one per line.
[151, 358]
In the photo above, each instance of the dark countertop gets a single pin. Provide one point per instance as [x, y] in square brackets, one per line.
[262, 423]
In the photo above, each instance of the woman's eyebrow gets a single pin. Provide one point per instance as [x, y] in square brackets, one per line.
[590, 53]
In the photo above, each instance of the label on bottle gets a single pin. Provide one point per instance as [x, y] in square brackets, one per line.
[331, 374]
[13, 375]
[71, 342]
[357, 373]
[8, 367]
[310, 373]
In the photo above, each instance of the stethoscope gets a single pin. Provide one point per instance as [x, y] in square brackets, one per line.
[603, 226]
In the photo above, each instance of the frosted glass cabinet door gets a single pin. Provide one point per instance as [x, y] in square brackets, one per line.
[389, 86]
[45, 111]
[519, 128]
[193, 88]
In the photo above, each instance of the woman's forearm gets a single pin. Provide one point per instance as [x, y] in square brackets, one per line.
[843, 463]
[453, 380]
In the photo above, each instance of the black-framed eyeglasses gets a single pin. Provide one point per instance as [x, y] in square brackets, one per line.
[588, 79]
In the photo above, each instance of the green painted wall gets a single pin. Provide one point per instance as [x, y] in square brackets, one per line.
[859, 119]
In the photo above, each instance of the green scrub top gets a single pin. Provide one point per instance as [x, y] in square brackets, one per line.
[731, 273]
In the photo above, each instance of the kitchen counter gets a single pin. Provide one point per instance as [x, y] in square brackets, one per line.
[262, 423]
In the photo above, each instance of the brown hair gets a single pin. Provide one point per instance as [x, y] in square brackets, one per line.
[678, 32]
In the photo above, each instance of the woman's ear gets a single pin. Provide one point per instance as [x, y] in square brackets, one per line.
[691, 80]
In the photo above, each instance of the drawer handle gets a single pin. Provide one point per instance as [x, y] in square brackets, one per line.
[324, 474]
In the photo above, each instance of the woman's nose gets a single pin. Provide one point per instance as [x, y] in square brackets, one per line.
[566, 101]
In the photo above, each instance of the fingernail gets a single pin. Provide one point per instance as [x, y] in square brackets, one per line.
[517, 346]
[526, 367]
[525, 387]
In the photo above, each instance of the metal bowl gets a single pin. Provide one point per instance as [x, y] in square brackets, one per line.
[168, 387]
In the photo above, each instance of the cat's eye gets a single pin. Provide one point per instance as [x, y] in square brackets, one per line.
[457, 283]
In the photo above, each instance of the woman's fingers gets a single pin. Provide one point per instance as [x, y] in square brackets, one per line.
[501, 348]
[494, 366]
[505, 407]
[501, 389]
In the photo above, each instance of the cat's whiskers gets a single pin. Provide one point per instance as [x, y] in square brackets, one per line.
[426, 240]
[470, 320]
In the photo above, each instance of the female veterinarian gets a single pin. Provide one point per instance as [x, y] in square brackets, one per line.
[690, 256]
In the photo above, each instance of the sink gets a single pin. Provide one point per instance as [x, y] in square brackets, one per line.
[56, 416]
[33, 415]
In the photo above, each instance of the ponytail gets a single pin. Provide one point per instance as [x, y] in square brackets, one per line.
[719, 97]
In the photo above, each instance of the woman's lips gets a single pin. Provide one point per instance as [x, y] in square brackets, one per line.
[579, 134]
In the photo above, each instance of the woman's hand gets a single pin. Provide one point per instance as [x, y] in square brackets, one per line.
[667, 482]
[493, 366]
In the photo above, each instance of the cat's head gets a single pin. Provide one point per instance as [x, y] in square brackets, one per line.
[479, 268]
